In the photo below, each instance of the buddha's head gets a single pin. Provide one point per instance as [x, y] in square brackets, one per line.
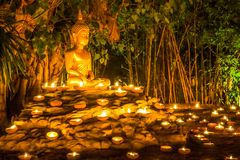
[80, 32]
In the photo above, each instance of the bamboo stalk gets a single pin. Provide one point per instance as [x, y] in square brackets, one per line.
[149, 53]
[202, 76]
[130, 67]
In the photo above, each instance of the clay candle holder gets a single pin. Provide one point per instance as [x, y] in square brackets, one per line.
[80, 105]
[38, 98]
[214, 114]
[208, 144]
[73, 156]
[132, 155]
[184, 151]
[166, 148]
[204, 121]
[100, 86]
[52, 87]
[229, 129]
[102, 101]
[231, 157]
[75, 121]
[233, 108]
[52, 135]
[36, 112]
[212, 125]
[137, 90]
[12, 129]
[62, 88]
[219, 127]
[25, 156]
[117, 140]
[165, 124]
[103, 116]
[120, 93]
[55, 103]
[180, 121]
[143, 111]
[128, 87]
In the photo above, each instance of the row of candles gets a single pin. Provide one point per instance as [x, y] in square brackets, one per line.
[53, 87]
[129, 154]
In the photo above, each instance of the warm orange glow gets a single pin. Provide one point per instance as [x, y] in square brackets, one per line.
[24, 156]
[11, 129]
[117, 140]
[52, 135]
[38, 98]
[184, 150]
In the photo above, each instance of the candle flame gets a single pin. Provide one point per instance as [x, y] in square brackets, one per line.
[103, 114]
[81, 83]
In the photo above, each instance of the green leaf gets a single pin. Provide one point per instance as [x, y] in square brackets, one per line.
[96, 56]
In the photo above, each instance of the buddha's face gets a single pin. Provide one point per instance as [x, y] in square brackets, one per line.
[82, 37]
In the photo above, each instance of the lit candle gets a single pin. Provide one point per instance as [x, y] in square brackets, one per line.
[231, 157]
[81, 84]
[52, 87]
[166, 148]
[38, 98]
[24, 156]
[117, 140]
[220, 109]
[52, 135]
[204, 139]
[197, 106]
[180, 121]
[214, 114]
[144, 110]
[132, 155]
[224, 118]
[208, 144]
[45, 86]
[73, 156]
[190, 120]
[195, 117]
[100, 86]
[219, 127]
[238, 114]
[103, 116]
[229, 129]
[204, 121]
[233, 108]
[116, 84]
[75, 121]
[137, 90]
[165, 124]
[36, 112]
[175, 106]
[184, 150]
[11, 129]
[158, 105]
[128, 87]
[119, 92]
[199, 136]
[206, 132]
[127, 112]
[62, 87]
[102, 101]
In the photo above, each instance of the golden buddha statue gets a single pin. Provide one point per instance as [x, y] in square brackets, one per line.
[78, 61]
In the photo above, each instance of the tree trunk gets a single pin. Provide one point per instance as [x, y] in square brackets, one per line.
[3, 112]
